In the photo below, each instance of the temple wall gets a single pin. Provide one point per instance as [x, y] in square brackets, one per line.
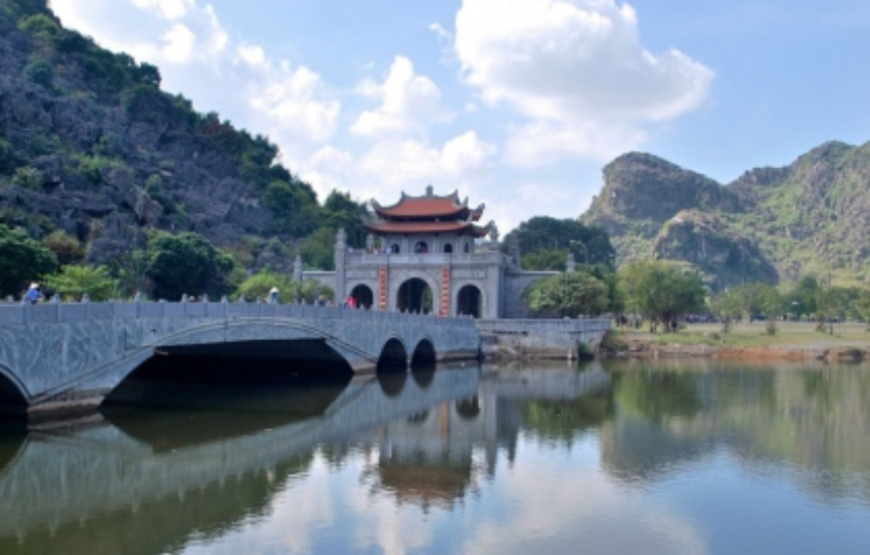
[514, 283]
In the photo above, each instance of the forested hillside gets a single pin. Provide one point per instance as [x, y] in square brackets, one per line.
[95, 156]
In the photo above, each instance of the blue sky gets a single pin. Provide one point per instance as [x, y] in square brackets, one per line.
[515, 103]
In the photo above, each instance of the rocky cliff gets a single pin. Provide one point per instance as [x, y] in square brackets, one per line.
[90, 144]
[769, 225]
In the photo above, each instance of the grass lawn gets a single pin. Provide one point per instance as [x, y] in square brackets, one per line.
[792, 334]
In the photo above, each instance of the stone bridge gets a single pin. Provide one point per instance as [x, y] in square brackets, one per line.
[57, 356]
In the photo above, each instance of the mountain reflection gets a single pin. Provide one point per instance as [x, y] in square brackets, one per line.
[803, 417]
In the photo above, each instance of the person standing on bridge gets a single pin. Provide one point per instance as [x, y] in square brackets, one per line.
[33, 294]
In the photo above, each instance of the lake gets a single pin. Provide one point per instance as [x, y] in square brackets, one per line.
[634, 457]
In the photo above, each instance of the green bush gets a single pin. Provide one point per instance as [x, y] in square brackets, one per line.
[188, 263]
[24, 260]
[41, 27]
[289, 290]
[92, 167]
[73, 282]
[39, 70]
[28, 178]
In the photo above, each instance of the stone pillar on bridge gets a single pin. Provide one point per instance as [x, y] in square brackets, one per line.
[340, 263]
[297, 268]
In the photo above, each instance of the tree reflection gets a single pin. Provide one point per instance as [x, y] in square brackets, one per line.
[658, 395]
[800, 417]
[563, 420]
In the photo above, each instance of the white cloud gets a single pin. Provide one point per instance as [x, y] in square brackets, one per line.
[543, 142]
[295, 102]
[465, 154]
[179, 43]
[534, 198]
[167, 9]
[409, 103]
[573, 68]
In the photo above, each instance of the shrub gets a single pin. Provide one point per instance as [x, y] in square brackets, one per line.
[28, 178]
[65, 247]
[39, 70]
[74, 281]
[24, 260]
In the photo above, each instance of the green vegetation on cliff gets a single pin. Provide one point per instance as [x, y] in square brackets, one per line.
[770, 225]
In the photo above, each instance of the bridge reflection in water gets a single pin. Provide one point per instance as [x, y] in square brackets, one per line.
[147, 481]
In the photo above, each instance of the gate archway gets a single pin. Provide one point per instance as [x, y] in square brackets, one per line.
[469, 301]
[363, 296]
[415, 296]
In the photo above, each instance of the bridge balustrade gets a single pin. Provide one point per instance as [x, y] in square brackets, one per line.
[48, 313]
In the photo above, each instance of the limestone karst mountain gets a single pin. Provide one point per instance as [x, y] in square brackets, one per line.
[769, 225]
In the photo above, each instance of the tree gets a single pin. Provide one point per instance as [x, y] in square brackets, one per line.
[295, 213]
[546, 259]
[74, 281]
[187, 263]
[542, 233]
[289, 290]
[318, 250]
[832, 304]
[773, 304]
[801, 298]
[22, 260]
[342, 212]
[862, 305]
[660, 291]
[568, 294]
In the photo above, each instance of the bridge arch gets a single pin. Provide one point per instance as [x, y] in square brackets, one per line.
[394, 355]
[13, 394]
[424, 353]
[211, 336]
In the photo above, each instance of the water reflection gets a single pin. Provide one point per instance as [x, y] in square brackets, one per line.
[809, 418]
[637, 457]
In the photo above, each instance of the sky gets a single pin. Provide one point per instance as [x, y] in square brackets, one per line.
[517, 104]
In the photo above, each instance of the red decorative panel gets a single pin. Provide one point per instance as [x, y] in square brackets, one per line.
[445, 291]
[382, 288]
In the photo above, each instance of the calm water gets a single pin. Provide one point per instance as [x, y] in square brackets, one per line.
[629, 458]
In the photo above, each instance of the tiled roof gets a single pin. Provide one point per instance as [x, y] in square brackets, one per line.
[427, 227]
[429, 206]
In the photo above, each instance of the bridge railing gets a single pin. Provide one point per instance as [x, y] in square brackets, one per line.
[44, 313]
[564, 325]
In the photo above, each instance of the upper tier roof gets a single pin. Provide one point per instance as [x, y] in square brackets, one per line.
[429, 207]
